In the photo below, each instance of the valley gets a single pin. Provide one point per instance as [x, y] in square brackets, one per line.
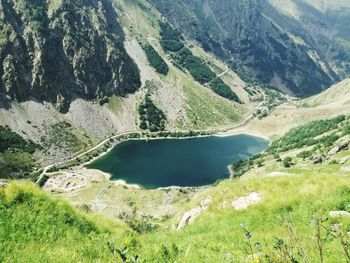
[174, 131]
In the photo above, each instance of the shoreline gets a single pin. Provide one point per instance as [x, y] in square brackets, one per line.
[211, 133]
[219, 135]
[123, 182]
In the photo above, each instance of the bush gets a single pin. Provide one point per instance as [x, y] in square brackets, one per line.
[287, 162]
[305, 154]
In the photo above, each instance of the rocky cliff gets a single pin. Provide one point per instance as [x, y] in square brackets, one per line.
[60, 50]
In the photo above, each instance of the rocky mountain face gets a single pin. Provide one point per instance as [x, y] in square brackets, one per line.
[58, 50]
[298, 46]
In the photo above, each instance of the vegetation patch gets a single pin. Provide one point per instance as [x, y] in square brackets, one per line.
[36, 228]
[306, 135]
[62, 135]
[16, 159]
[223, 90]
[151, 117]
[155, 60]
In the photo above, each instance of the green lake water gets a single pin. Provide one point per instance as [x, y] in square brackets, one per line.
[177, 162]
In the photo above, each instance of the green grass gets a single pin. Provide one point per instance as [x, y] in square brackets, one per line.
[217, 234]
[202, 108]
[37, 228]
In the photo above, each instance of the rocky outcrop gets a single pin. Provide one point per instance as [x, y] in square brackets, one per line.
[337, 214]
[59, 50]
[190, 216]
[245, 201]
[340, 145]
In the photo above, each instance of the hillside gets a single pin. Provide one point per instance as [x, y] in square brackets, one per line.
[38, 228]
[294, 215]
[330, 103]
[301, 44]
[92, 108]
[55, 51]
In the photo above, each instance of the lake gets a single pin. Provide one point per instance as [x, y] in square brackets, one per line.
[177, 162]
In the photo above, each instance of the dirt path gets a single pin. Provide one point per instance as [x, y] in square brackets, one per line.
[224, 72]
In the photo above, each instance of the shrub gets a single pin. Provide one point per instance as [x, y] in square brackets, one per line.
[305, 154]
[287, 162]
[305, 135]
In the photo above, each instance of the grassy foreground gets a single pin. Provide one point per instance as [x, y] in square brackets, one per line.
[36, 228]
[286, 226]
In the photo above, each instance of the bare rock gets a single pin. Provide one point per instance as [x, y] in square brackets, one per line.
[343, 160]
[338, 214]
[3, 184]
[339, 145]
[246, 201]
[190, 216]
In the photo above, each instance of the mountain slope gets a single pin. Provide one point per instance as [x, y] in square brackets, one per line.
[57, 51]
[328, 104]
[261, 42]
[96, 115]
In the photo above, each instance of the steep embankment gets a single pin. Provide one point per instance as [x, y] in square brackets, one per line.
[38, 228]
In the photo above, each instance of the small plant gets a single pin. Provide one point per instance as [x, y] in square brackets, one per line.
[260, 162]
[125, 254]
[287, 162]
[305, 154]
